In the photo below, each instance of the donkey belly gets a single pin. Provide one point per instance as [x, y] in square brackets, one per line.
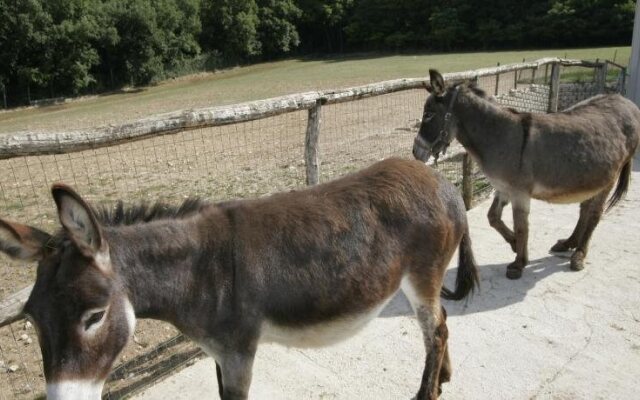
[563, 196]
[323, 333]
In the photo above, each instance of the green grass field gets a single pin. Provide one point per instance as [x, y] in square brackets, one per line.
[268, 80]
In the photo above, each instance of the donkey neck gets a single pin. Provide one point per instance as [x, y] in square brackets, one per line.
[167, 265]
[482, 124]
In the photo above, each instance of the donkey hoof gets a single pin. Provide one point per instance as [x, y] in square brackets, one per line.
[577, 262]
[514, 270]
[561, 246]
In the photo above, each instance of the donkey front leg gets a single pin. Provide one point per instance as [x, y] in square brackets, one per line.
[594, 210]
[235, 371]
[521, 227]
[495, 219]
[219, 378]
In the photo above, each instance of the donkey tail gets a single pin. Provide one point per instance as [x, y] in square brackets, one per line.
[467, 279]
[623, 185]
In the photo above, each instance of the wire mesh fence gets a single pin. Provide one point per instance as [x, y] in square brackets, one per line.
[246, 159]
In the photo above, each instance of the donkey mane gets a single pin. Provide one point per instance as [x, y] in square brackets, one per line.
[120, 214]
[472, 86]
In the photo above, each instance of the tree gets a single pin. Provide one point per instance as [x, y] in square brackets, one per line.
[277, 30]
[230, 27]
[71, 54]
[446, 27]
[323, 23]
[23, 42]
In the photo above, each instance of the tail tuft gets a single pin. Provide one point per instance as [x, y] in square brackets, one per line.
[623, 185]
[467, 279]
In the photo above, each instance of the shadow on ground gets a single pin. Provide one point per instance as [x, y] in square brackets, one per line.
[496, 291]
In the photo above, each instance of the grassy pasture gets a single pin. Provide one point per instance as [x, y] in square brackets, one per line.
[268, 80]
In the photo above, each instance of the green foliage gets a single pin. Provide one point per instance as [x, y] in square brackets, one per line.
[231, 27]
[277, 26]
[446, 27]
[51, 48]
[323, 23]
[381, 24]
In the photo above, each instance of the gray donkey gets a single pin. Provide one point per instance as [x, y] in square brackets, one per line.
[305, 268]
[574, 156]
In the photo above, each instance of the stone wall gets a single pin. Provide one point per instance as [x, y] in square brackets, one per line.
[532, 98]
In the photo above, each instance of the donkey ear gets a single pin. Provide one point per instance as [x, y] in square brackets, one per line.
[437, 82]
[22, 242]
[79, 220]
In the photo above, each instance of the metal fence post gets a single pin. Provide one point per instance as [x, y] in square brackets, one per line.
[311, 144]
[554, 88]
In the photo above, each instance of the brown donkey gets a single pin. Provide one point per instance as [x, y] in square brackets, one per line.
[568, 157]
[305, 268]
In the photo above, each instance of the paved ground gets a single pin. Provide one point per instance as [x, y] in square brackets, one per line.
[554, 334]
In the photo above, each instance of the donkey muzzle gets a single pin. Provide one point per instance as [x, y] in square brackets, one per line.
[421, 149]
[75, 390]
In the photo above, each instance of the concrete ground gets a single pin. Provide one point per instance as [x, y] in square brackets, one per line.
[554, 334]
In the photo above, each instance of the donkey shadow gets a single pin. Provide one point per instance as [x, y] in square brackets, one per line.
[495, 292]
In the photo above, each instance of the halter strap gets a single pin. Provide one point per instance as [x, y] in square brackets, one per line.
[445, 137]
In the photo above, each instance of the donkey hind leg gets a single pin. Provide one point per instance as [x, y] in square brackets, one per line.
[445, 368]
[595, 209]
[495, 219]
[521, 227]
[572, 241]
[435, 334]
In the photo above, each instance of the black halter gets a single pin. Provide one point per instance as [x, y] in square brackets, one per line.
[445, 137]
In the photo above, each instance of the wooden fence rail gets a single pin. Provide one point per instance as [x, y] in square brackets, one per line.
[41, 143]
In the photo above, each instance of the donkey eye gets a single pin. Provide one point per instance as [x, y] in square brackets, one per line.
[94, 318]
[428, 116]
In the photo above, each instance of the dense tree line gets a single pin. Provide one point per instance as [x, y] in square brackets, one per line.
[51, 48]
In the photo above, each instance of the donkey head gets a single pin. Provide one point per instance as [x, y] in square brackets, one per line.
[78, 304]
[439, 125]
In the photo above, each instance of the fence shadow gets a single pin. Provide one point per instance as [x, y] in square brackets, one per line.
[496, 291]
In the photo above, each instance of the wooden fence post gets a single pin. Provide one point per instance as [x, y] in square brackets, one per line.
[601, 77]
[533, 75]
[555, 87]
[467, 181]
[546, 74]
[622, 81]
[311, 144]
[497, 83]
